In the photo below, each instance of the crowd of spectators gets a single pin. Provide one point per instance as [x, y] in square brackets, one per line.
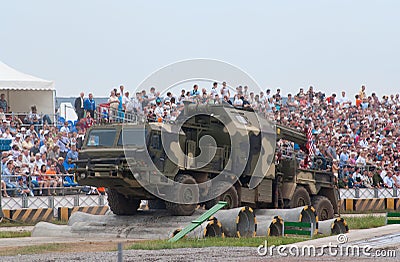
[38, 161]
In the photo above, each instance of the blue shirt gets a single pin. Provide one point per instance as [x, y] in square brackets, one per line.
[72, 155]
[6, 176]
[343, 159]
[89, 104]
[194, 92]
[120, 103]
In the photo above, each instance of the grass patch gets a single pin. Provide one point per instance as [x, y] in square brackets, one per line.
[365, 222]
[14, 234]
[38, 249]
[9, 223]
[215, 242]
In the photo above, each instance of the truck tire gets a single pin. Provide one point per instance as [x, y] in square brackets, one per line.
[323, 207]
[300, 198]
[183, 209]
[121, 205]
[157, 204]
[231, 196]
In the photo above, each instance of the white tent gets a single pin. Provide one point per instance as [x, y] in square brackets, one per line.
[23, 91]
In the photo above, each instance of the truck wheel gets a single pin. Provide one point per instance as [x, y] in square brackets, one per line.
[157, 204]
[323, 207]
[231, 196]
[121, 205]
[300, 198]
[186, 195]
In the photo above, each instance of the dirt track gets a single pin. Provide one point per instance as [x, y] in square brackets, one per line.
[184, 254]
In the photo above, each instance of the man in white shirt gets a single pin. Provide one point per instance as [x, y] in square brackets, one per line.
[151, 97]
[225, 91]
[238, 102]
[344, 101]
[64, 128]
[159, 111]
[262, 97]
[214, 90]
[388, 180]
[125, 100]
[361, 161]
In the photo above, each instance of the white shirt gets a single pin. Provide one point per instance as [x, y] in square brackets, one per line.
[344, 100]
[388, 181]
[159, 111]
[238, 102]
[125, 100]
[152, 96]
[225, 92]
[213, 92]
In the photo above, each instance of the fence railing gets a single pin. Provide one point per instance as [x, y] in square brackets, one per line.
[369, 193]
[104, 114]
[53, 201]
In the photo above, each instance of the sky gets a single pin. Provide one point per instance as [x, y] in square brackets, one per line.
[95, 45]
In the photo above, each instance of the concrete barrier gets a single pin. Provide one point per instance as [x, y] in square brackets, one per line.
[369, 204]
[333, 226]
[32, 215]
[306, 214]
[238, 222]
[269, 226]
[64, 213]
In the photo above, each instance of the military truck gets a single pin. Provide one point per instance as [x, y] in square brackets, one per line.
[134, 163]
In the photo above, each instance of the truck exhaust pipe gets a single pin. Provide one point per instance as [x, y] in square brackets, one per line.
[238, 222]
[305, 214]
[334, 226]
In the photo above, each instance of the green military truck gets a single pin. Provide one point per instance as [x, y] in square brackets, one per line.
[150, 160]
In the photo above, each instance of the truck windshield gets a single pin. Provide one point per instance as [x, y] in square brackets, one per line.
[132, 137]
[101, 137]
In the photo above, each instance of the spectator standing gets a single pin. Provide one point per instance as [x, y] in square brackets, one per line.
[3, 103]
[344, 156]
[214, 90]
[79, 106]
[225, 91]
[195, 92]
[344, 101]
[362, 94]
[113, 101]
[90, 105]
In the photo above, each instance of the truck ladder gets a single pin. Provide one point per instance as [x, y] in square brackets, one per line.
[198, 221]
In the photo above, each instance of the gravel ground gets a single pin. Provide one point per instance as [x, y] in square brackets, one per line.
[183, 254]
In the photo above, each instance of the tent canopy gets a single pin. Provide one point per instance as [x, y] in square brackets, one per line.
[23, 91]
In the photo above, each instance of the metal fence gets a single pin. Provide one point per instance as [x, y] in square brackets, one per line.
[369, 193]
[53, 201]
